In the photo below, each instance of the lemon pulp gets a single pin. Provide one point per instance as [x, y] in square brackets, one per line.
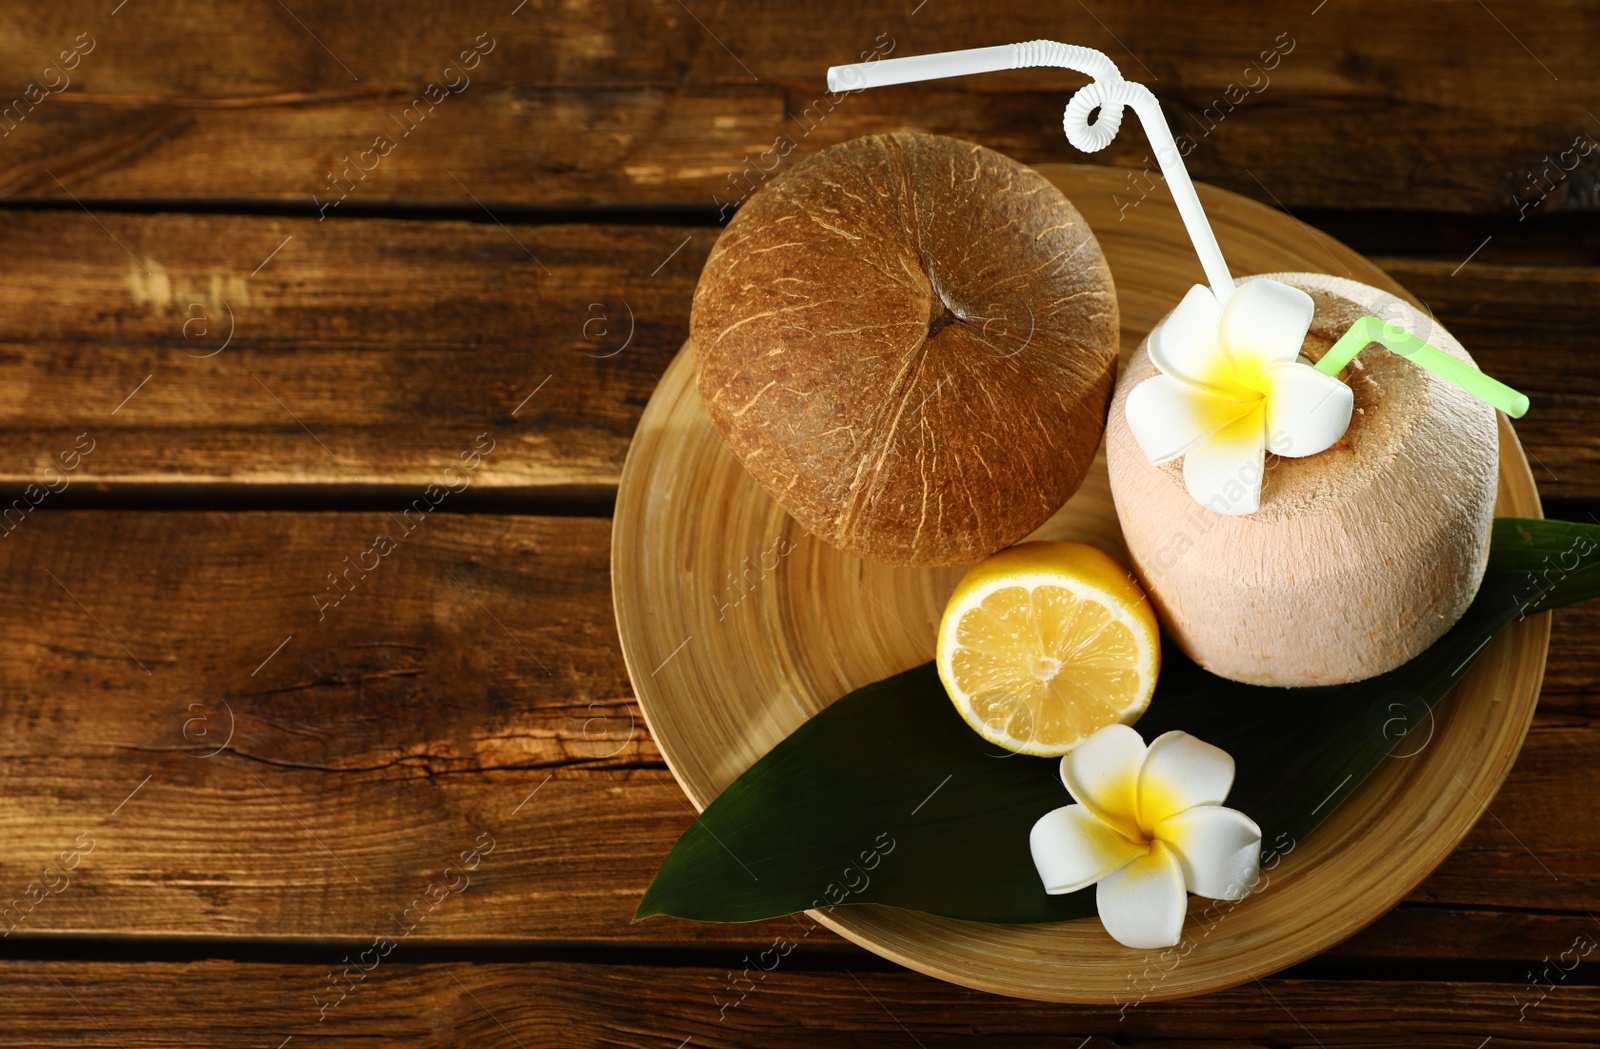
[1043, 644]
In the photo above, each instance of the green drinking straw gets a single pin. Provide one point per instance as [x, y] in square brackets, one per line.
[1431, 359]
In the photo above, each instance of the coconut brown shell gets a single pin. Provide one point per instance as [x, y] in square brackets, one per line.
[1360, 556]
[910, 341]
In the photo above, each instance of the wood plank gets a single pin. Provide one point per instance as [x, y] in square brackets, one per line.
[470, 683]
[1519, 849]
[216, 1003]
[365, 353]
[395, 343]
[1571, 697]
[1502, 942]
[656, 104]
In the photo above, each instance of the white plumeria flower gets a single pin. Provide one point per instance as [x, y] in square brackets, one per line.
[1230, 390]
[1149, 825]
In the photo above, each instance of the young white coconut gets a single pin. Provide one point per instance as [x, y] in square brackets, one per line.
[1359, 556]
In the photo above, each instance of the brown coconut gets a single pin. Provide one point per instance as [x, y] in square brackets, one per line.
[910, 341]
[1360, 556]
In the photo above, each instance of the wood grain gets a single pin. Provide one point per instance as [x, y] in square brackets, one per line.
[373, 742]
[380, 741]
[661, 104]
[470, 684]
[362, 354]
[396, 342]
[217, 1003]
[1571, 690]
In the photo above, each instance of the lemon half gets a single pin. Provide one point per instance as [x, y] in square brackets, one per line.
[1043, 644]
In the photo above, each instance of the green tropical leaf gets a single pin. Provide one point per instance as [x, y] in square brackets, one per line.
[888, 797]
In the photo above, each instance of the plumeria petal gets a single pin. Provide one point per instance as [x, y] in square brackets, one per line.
[1186, 345]
[1263, 324]
[1230, 389]
[1219, 850]
[1102, 774]
[1307, 411]
[1072, 849]
[1169, 416]
[1223, 472]
[1143, 904]
[1180, 772]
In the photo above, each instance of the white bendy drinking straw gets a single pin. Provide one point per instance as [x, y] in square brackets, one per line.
[1108, 92]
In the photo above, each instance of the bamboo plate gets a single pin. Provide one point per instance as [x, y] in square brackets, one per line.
[737, 626]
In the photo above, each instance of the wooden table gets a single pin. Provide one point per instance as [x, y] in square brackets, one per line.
[269, 296]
